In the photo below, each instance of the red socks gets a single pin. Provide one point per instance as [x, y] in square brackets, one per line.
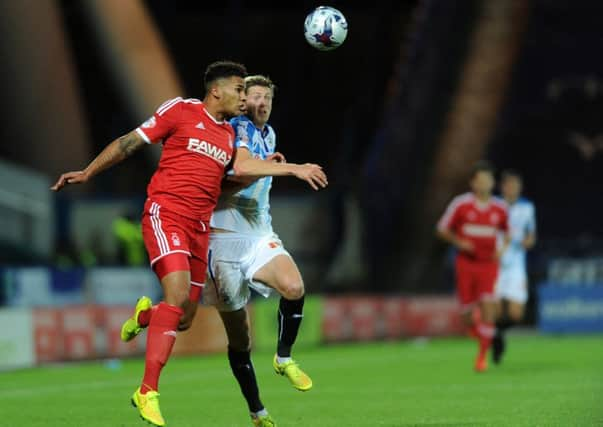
[144, 317]
[485, 333]
[161, 336]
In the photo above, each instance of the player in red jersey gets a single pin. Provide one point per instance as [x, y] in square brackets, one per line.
[472, 223]
[197, 146]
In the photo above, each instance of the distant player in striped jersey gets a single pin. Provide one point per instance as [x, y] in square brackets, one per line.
[512, 285]
[472, 222]
[197, 148]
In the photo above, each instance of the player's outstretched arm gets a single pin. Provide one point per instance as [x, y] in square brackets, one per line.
[245, 165]
[113, 153]
[232, 184]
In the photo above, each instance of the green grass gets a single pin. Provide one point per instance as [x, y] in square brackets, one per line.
[544, 382]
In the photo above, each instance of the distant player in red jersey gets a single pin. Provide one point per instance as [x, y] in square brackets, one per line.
[197, 147]
[472, 223]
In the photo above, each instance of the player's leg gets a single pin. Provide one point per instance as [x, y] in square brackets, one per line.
[516, 311]
[198, 271]
[161, 335]
[236, 324]
[512, 291]
[466, 294]
[227, 290]
[174, 276]
[144, 310]
[281, 273]
[171, 265]
[487, 276]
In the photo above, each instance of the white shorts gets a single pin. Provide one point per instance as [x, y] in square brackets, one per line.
[512, 284]
[232, 261]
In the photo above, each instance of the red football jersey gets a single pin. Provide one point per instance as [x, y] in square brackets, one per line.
[477, 222]
[196, 150]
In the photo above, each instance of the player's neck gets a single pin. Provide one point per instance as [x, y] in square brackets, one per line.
[213, 110]
[259, 125]
[483, 198]
[511, 200]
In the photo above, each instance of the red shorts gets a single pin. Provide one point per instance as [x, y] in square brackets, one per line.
[174, 242]
[475, 280]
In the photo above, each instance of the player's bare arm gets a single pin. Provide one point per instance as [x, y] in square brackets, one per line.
[232, 184]
[245, 165]
[449, 237]
[115, 152]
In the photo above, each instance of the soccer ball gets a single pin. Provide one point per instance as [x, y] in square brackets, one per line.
[325, 28]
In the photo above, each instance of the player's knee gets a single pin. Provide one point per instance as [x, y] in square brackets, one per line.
[516, 315]
[179, 298]
[292, 289]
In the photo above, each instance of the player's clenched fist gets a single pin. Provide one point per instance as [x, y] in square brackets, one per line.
[77, 177]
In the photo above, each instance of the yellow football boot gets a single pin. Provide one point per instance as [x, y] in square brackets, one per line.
[298, 378]
[131, 327]
[148, 407]
[263, 421]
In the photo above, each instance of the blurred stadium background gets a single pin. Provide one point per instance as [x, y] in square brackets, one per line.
[419, 92]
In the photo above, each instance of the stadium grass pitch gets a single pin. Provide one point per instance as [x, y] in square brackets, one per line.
[544, 381]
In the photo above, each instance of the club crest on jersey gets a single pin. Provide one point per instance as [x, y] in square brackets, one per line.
[494, 217]
[175, 239]
[150, 123]
[208, 150]
[270, 142]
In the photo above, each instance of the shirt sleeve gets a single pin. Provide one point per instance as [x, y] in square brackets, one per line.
[450, 218]
[163, 123]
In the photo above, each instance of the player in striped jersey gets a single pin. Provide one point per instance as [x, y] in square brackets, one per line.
[512, 285]
[245, 253]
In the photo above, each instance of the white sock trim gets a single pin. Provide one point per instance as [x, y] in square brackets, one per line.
[260, 413]
[281, 360]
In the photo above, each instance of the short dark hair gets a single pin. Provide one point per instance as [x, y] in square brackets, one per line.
[482, 166]
[510, 173]
[259, 80]
[223, 69]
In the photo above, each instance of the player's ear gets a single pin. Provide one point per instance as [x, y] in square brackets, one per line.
[215, 90]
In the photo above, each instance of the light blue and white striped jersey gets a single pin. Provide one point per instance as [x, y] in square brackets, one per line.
[522, 221]
[248, 211]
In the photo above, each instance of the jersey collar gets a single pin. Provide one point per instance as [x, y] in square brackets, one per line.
[212, 117]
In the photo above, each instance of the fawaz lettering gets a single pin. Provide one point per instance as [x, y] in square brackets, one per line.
[209, 150]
